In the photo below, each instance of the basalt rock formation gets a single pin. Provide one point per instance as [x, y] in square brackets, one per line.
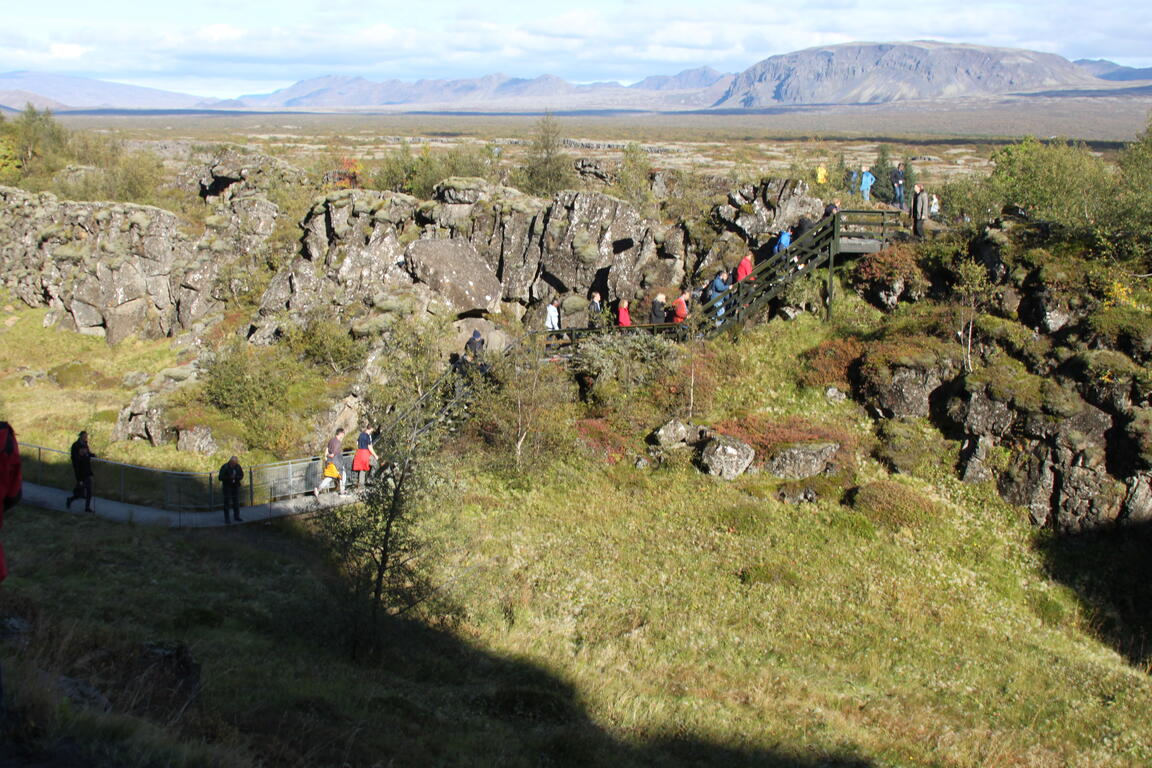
[114, 270]
[1054, 405]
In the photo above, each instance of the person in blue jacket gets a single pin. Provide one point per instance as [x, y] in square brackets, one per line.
[719, 285]
[783, 241]
[866, 182]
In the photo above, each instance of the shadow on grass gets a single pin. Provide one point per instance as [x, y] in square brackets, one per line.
[1112, 575]
[455, 704]
[255, 609]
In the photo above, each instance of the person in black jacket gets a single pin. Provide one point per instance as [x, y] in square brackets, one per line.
[919, 210]
[657, 315]
[231, 478]
[82, 467]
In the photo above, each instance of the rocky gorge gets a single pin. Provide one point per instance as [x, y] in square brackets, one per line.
[1055, 412]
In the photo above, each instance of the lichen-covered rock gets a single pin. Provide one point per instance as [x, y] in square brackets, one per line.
[196, 439]
[672, 435]
[116, 269]
[236, 172]
[143, 419]
[759, 211]
[726, 457]
[976, 412]
[455, 271]
[802, 460]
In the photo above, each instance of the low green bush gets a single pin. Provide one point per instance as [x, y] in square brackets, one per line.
[894, 505]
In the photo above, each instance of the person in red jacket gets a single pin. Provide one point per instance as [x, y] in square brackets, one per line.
[11, 479]
[680, 308]
[11, 489]
[623, 315]
[744, 268]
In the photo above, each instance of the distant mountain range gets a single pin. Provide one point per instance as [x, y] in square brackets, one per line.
[852, 73]
[1110, 70]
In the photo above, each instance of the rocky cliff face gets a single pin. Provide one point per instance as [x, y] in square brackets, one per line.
[1054, 410]
[872, 73]
[114, 270]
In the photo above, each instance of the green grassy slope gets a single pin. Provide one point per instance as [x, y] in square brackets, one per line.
[600, 614]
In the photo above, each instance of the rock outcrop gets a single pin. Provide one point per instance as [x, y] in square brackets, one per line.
[114, 270]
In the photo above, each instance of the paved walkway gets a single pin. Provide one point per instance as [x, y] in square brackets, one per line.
[121, 512]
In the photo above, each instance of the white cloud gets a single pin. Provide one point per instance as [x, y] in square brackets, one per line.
[259, 42]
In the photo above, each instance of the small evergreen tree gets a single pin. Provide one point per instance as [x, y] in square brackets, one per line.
[883, 189]
[547, 170]
[633, 181]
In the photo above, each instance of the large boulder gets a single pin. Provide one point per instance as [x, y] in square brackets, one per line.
[143, 419]
[455, 271]
[726, 457]
[759, 211]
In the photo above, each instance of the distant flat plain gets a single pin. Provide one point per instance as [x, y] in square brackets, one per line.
[961, 133]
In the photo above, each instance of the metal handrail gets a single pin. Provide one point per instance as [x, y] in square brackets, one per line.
[191, 491]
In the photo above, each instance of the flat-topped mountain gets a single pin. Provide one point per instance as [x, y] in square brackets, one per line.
[871, 73]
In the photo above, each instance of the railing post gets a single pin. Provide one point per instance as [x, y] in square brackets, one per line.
[831, 275]
[211, 490]
[39, 465]
[122, 482]
[251, 487]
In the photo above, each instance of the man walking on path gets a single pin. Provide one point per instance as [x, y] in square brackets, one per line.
[82, 467]
[552, 315]
[231, 479]
[334, 455]
[919, 210]
[11, 488]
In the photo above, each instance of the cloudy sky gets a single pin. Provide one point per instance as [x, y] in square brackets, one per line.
[226, 48]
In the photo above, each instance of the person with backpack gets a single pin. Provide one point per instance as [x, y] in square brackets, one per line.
[333, 466]
[783, 240]
[82, 457]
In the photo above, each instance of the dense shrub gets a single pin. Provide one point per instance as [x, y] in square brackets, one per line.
[325, 342]
[614, 366]
[897, 262]
[547, 170]
[828, 363]
[418, 174]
